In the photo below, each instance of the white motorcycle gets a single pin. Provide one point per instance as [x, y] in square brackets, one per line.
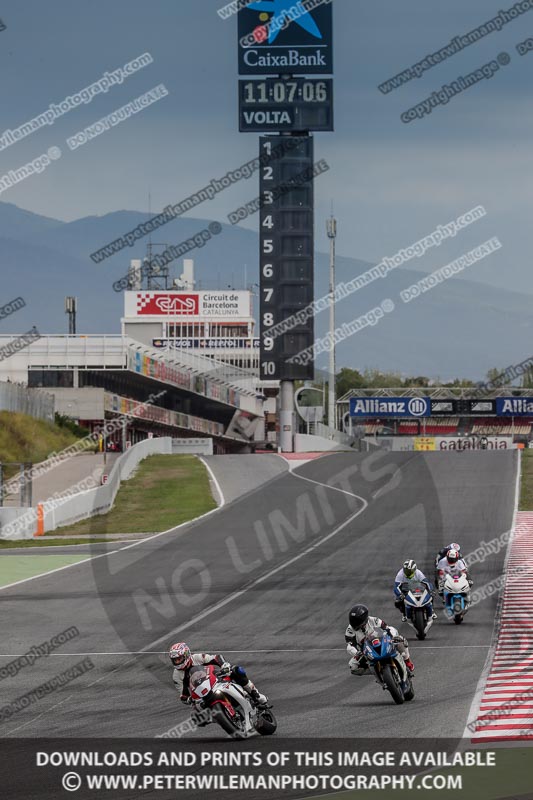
[417, 601]
[216, 698]
[456, 596]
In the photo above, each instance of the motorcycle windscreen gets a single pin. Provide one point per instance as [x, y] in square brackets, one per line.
[377, 645]
[417, 589]
[200, 683]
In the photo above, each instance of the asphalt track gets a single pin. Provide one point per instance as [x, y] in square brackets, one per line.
[268, 580]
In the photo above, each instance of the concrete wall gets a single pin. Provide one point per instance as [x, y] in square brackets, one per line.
[20, 523]
[35, 402]
[202, 447]
[85, 403]
[306, 443]
[143, 332]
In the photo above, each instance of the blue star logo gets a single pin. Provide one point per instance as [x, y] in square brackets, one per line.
[280, 10]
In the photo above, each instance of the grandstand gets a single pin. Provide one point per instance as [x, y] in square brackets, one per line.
[455, 412]
[161, 393]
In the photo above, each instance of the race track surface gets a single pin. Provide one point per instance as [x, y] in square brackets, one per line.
[268, 581]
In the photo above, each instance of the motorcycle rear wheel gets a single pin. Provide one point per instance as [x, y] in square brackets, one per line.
[390, 682]
[458, 619]
[266, 723]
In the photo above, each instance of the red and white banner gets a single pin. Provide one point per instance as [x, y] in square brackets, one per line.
[188, 305]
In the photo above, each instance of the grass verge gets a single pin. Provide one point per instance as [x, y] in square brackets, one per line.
[42, 542]
[24, 438]
[165, 491]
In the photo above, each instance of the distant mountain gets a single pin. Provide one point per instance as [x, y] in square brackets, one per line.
[459, 329]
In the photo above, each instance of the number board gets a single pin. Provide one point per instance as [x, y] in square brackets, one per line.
[275, 104]
[286, 257]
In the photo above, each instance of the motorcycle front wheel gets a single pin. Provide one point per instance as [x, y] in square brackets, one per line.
[420, 623]
[389, 679]
[231, 725]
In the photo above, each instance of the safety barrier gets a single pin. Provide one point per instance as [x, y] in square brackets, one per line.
[21, 523]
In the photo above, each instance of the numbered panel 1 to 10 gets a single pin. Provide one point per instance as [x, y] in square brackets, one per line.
[286, 221]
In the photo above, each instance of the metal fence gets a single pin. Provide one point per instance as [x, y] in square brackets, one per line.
[35, 402]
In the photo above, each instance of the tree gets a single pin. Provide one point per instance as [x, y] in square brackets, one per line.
[347, 379]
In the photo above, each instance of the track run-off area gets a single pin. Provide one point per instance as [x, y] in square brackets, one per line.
[267, 579]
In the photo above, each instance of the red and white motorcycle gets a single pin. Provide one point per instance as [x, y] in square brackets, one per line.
[216, 698]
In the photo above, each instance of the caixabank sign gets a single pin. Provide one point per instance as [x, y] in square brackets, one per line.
[286, 36]
[390, 407]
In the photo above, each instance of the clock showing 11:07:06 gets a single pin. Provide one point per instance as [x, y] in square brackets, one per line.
[286, 104]
[286, 91]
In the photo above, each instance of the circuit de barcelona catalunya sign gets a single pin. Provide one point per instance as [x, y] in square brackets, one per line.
[514, 406]
[390, 407]
[286, 36]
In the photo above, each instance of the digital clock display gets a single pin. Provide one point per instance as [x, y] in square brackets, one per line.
[294, 104]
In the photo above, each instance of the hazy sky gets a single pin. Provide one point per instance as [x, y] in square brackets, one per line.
[391, 183]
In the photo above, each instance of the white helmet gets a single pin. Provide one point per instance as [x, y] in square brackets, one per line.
[452, 557]
[180, 655]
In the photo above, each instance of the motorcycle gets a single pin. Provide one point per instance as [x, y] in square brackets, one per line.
[456, 596]
[388, 665]
[417, 600]
[216, 698]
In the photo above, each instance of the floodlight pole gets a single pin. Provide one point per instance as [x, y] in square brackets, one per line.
[331, 228]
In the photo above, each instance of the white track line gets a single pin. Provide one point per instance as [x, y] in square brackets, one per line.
[208, 611]
[271, 650]
[128, 546]
[215, 481]
[228, 599]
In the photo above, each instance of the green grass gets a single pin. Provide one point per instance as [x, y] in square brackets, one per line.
[23, 438]
[42, 542]
[164, 492]
[19, 567]
[526, 488]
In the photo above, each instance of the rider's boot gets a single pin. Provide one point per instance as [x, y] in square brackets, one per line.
[258, 698]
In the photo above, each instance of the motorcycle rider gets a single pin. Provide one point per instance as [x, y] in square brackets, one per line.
[445, 550]
[360, 626]
[452, 564]
[410, 572]
[184, 661]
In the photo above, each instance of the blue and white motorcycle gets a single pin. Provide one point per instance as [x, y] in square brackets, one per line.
[418, 606]
[388, 665]
[456, 596]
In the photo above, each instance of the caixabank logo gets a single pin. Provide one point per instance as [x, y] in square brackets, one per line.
[286, 37]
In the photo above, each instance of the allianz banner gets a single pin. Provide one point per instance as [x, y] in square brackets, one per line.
[514, 406]
[390, 407]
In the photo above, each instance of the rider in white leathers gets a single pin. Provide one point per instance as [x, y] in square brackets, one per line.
[452, 564]
[409, 572]
[360, 627]
[184, 660]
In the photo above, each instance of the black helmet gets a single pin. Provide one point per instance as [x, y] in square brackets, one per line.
[358, 616]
